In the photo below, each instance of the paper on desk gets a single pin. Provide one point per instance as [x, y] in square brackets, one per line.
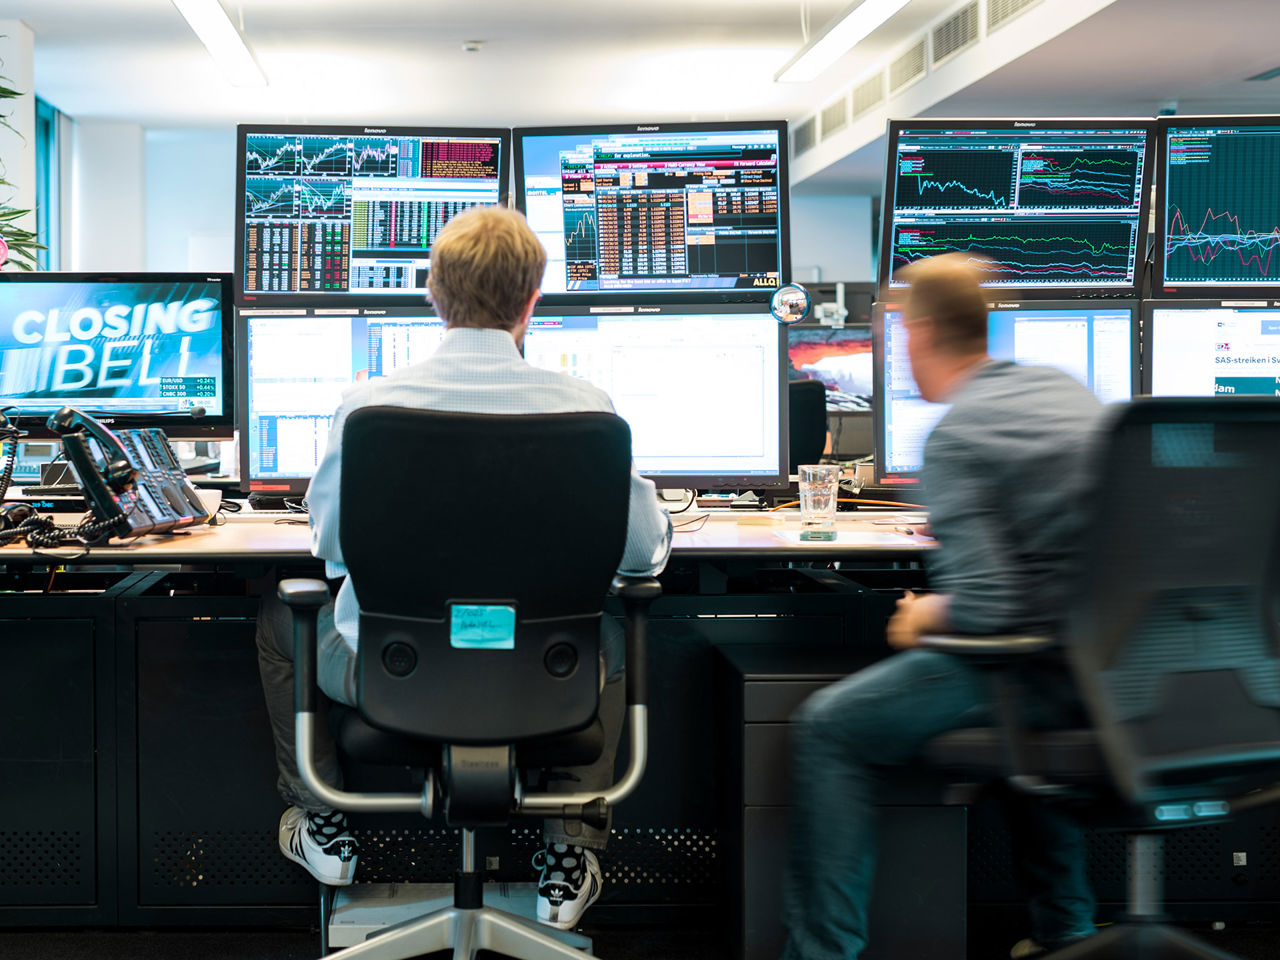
[903, 518]
[850, 538]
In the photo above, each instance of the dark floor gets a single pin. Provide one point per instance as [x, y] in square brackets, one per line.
[1248, 943]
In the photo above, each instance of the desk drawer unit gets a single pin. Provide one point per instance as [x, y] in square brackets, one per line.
[921, 867]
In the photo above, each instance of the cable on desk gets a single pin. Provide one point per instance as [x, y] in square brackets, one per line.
[688, 525]
[229, 506]
[874, 503]
[693, 495]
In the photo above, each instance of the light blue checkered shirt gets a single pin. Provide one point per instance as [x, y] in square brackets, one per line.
[473, 371]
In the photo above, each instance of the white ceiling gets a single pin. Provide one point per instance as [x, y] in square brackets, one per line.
[389, 61]
[558, 61]
[1131, 59]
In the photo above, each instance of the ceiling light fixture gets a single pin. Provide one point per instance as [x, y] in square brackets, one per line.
[841, 36]
[223, 41]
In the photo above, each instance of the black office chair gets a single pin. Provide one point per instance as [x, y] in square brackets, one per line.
[479, 642]
[1174, 646]
[807, 421]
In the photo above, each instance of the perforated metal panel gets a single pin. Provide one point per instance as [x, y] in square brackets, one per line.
[422, 855]
[44, 859]
[956, 32]
[203, 866]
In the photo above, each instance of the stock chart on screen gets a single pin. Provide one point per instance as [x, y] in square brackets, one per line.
[1038, 205]
[1220, 204]
[330, 214]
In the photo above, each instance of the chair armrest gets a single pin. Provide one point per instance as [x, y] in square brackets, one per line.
[300, 594]
[1003, 646]
[640, 589]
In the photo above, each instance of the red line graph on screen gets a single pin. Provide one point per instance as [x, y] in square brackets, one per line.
[1206, 242]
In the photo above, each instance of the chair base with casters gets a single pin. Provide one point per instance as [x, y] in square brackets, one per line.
[469, 926]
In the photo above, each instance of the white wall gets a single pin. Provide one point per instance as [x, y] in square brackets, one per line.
[190, 199]
[107, 197]
[833, 234]
[18, 146]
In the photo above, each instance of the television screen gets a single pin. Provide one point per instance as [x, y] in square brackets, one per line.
[840, 357]
[139, 349]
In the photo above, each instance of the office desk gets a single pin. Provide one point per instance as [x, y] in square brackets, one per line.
[280, 540]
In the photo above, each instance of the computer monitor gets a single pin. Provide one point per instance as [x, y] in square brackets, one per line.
[1201, 348]
[1095, 341]
[658, 209]
[1218, 207]
[701, 386]
[1046, 207]
[294, 366]
[346, 215]
[840, 357]
[133, 349]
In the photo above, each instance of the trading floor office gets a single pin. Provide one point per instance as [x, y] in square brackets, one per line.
[138, 800]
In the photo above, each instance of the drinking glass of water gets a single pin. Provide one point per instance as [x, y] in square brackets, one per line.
[819, 489]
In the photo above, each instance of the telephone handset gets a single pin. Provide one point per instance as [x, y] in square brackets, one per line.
[132, 481]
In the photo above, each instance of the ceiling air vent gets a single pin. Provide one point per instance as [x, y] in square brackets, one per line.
[1002, 11]
[835, 117]
[867, 94]
[805, 136]
[907, 67]
[955, 33]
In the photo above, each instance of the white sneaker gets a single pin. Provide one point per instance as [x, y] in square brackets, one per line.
[1025, 948]
[321, 843]
[571, 881]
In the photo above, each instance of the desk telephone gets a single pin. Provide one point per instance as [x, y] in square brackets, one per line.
[131, 480]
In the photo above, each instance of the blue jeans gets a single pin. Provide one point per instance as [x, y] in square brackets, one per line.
[881, 717]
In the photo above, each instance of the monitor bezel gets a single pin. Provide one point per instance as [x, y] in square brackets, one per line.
[176, 427]
[1028, 125]
[682, 296]
[1190, 303]
[354, 301]
[704, 481]
[882, 477]
[1192, 291]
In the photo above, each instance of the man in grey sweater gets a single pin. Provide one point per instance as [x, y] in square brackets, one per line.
[1005, 473]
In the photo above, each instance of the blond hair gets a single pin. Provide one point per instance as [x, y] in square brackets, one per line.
[945, 291]
[485, 265]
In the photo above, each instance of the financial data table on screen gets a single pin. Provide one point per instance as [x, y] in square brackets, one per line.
[1209, 349]
[700, 388]
[1094, 344]
[339, 216]
[1221, 206]
[682, 211]
[1055, 208]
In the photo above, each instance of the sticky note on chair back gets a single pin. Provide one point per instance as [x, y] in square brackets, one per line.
[482, 627]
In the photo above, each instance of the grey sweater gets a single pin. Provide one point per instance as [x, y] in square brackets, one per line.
[1005, 475]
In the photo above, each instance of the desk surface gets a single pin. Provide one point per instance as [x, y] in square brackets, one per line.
[275, 539]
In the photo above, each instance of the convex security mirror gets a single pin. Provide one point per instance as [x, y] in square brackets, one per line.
[790, 304]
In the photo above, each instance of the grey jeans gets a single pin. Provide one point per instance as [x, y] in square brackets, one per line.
[335, 675]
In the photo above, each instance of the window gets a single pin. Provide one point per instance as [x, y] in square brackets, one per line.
[48, 185]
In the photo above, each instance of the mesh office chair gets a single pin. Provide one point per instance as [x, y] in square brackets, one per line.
[1174, 646]
[806, 421]
[479, 635]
